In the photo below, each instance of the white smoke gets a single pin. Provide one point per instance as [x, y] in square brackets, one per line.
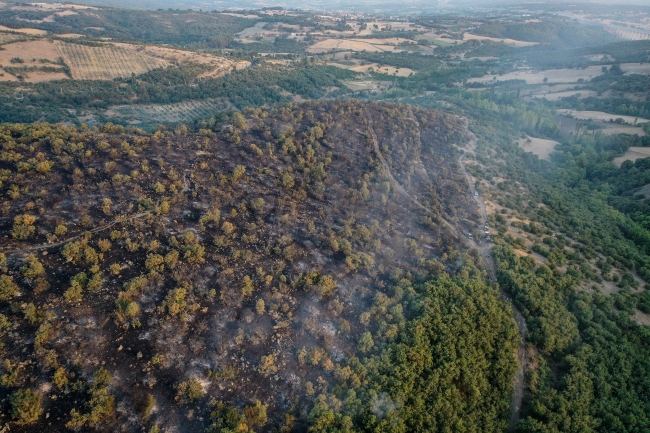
[382, 405]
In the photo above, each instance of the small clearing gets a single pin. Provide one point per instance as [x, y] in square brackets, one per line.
[539, 146]
[507, 41]
[632, 154]
[641, 318]
[601, 115]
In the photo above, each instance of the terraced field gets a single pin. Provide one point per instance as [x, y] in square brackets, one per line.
[159, 113]
[105, 62]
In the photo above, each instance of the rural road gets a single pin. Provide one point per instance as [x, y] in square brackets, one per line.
[485, 250]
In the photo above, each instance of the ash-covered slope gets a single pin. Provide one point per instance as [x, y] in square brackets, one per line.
[277, 274]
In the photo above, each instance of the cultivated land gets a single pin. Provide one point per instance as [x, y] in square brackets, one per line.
[26, 31]
[599, 115]
[374, 67]
[105, 62]
[506, 41]
[632, 154]
[379, 45]
[220, 65]
[167, 113]
[549, 76]
[550, 96]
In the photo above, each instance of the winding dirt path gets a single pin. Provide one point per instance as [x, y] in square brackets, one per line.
[117, 220]
[485, 250]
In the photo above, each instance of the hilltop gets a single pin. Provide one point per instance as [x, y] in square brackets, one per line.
[267, 273]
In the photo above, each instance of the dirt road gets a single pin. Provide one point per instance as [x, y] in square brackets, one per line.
[485, 250]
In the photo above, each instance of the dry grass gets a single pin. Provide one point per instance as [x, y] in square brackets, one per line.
[30, 52]
[384, 69]
[221, 65]
[507, 41]
[40, 76]
[552, 76]
[5, 38]
[249, 16]
[34, 54]
[632, 154]
[632, 130]
[105, 62]
[641, 318]
[637, 68]
[26, 31]
[600, 115]
[354, 45]
[6, 76]
[559, 95]
[539, 146]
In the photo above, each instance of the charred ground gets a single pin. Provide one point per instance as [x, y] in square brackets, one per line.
[268, 275]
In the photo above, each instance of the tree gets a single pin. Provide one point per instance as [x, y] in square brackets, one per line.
[8, 289]
[25, 406]
[23, 226]
[366, 343]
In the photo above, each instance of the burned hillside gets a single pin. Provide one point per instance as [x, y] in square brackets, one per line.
[298, 269]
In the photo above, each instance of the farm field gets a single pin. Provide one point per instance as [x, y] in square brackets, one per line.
[622, 129]
[632, 154]
[636, 68]
[559, 95]
[507, 41]
[174, 56]
[353, 45]
[33, 55]
[385, 69]
[600, 115]
[552, 76]
[539, 146]
[31, 52]
[159, 113]
[105, 62]
[26, 31]
[358, 85]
